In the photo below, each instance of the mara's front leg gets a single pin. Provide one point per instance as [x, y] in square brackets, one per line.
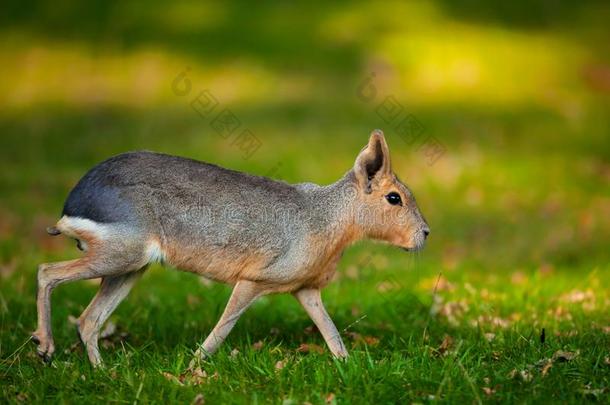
[244, 293]
[311, 300]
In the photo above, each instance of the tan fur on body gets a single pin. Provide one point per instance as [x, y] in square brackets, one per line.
[259, 235]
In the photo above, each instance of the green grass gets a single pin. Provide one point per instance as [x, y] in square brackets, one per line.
[394, 332]
[519, 205]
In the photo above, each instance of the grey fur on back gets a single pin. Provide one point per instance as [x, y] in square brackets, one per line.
[105, 193]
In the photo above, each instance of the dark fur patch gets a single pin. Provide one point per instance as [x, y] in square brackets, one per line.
[374, 165]
[95, 197]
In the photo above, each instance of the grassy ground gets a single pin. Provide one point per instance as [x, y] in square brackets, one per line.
[508, 303]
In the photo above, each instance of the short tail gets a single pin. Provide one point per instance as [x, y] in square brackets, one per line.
[53, 231]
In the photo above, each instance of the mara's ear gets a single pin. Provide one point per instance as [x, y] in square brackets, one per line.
[373, 160]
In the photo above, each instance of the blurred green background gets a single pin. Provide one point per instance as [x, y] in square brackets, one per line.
[517, 94]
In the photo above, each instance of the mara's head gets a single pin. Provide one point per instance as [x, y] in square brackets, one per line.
[386, 209]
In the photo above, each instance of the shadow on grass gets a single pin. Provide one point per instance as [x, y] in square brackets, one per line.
[279, 35]
[538, 14]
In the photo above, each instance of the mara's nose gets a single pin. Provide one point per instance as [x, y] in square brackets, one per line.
[426, 232]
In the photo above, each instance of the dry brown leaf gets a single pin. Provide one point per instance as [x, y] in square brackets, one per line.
[257, 345]
[170, 377]
[436, 284]
[490, 320]
[310, 348]
[547, 366]
[607, 360]
[195, 376]
[525, 375]
[445, 345]
[453, 311]
[560, 313]
[570, 333]
[6, 269]
[192, 376]
[371, 340]
[234, 353]
[280, 365]
[561, 355]
[490, 336]
[198, 400]
[192, 300]
[330, 398]
[488, 391]
[357, 338]
[578, 296]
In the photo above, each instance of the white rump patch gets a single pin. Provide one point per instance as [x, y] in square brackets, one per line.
[75, 227]
[72, 226]
[154, 252]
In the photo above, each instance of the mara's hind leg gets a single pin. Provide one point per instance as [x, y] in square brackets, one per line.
[110, 252]
[112, 291]
[50, 275]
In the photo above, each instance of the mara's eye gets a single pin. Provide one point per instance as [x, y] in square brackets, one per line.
[394, 199]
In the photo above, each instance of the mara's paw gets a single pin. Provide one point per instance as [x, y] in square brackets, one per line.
[45, 348]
